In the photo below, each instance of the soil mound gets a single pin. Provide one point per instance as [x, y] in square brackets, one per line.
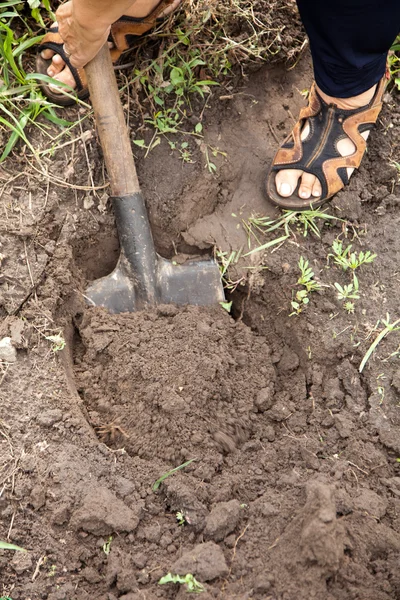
[174, 384]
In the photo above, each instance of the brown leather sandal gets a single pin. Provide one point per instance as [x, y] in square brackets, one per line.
[124, 35]
[318, 154]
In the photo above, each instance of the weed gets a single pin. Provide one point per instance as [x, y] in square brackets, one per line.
[394, 63]
[346, 259]
[389, 327]
[189, 580]
[58, 342]
[226, 306]
[307, 276]
[349, 307]
[159, 481]
[349, 291]
[226, 260]
[52, 571]
[180, 517]
[7, 546]
[21, 101]
[304, 222]
[107, 546]
[309, 284]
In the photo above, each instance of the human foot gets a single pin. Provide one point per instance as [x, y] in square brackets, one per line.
[56, 61]
[326, 145]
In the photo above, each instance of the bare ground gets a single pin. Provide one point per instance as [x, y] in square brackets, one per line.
[295, 490]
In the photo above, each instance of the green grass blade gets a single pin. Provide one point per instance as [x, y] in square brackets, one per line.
[159, 481]
[7, 546]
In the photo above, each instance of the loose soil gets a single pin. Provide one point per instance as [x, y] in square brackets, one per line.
[294, 490]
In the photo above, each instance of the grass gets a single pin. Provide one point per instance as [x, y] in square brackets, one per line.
[172, 78]
[21, 102]
[159, 481]
[389, 328]
[7, 546]
[394, 63]
[291, 223]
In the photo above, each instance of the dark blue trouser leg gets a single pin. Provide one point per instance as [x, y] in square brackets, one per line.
[349, 41]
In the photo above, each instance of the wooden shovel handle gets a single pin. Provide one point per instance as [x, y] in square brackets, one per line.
[110, 120]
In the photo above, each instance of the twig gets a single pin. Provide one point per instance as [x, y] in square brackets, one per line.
[233, 557]
[11, 526]
[28, 265]
[357, 467]
[272, 130]
[39, 563]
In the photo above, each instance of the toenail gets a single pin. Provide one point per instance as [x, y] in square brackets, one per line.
[316, 194]
[304, 194]
[50, 72]
[285, 189]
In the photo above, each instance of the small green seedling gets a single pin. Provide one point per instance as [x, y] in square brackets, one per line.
[107, 546]
[52, 571]
[180, 517]
[307, 280]
[58, 342]
[349, 307]
[191, 583]
[7, 546]
[307, 276]
[389, 327]
[226, 306]
[5, 598]
[157, 484]
[348, 292]
[346, 259]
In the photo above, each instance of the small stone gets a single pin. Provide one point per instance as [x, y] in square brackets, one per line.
[91, 575]
[102, 513]
[343, 425]
[203, 328]
[7, 351]
[262, 584]
[269, 433]
[279, 412]
[205, 561]
[390, 438]
[265, 398]
[139, 560]
[222, 520]
[50, 417]
[21, 562]
[37, 497]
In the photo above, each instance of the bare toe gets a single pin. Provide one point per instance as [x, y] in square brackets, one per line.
[65, 77]
[286, 181]
[47, 54]
[307, 184]
[317, 188]
[57, 65]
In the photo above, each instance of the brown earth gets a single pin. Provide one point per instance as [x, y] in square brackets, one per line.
[294, 492]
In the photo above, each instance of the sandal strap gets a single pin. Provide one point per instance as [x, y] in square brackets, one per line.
[53, 41]
[287, 156]
[133, 26]
[351, 127]
[321, 158]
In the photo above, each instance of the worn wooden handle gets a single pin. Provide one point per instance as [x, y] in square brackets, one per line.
[110, 120]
